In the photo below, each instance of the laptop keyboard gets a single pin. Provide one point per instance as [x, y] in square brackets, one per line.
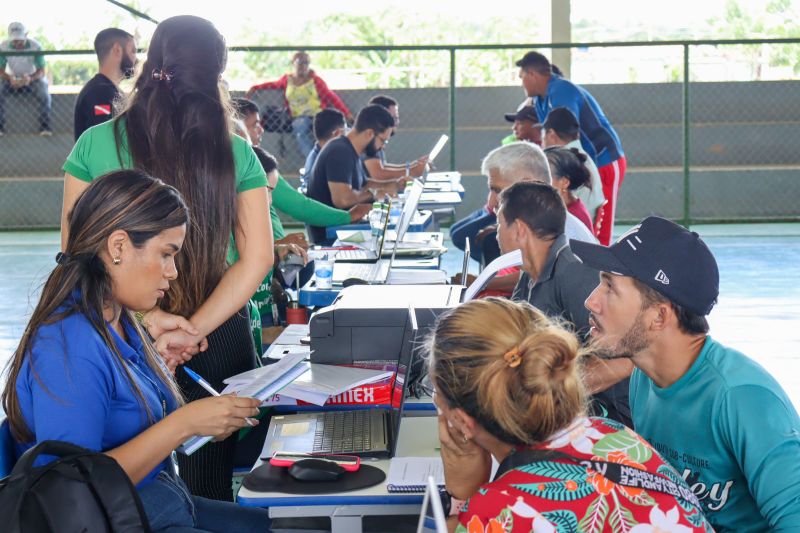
[343, 432]
[355, 255]
[365, 271]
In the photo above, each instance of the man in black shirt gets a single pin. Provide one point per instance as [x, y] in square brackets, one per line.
[338, 178]
[116, 53]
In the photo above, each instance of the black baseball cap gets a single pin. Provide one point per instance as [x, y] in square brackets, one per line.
[525, 113]
[563, 122]
[664, 256]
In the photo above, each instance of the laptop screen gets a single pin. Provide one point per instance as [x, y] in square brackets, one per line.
[432, 516]
[465, 266]
[437, 147]
[382, 236]
[409, 209]
[403, 374]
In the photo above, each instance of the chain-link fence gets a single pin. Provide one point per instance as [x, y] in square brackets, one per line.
[708, 128]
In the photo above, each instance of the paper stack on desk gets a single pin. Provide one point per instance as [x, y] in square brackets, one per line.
[261, 383]
[324, 381]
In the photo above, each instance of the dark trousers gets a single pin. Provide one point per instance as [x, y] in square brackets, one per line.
[468, 227]
[207, 472]
[38, 89]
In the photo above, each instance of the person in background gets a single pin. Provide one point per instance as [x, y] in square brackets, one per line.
[531, 218]
[569, 174]
[116, 55]
[305, 94]
[526, 126]
[376, 166]
[24, 75]
[561, 129]
[549, 90]
[178, 96]
[247, 111]
[86, 372]
[338, 179]
[507, 385]
[503, 167]
[328, 124]
[720, 419]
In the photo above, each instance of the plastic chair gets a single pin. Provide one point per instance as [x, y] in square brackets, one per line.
[7, 452]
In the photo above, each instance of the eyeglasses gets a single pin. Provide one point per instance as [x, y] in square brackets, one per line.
[384, 141]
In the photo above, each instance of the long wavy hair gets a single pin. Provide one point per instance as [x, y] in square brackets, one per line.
[178, 129]
[126, 200]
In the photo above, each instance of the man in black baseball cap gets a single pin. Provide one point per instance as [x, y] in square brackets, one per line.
[526, 125]
[717, 416]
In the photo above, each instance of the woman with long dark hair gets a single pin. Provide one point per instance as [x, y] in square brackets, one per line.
[85, 372]
[177, 127]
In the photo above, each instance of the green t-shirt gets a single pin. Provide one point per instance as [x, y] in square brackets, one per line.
[95, 154]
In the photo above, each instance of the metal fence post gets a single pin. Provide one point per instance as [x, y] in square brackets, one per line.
[686, 150]
[452, 109]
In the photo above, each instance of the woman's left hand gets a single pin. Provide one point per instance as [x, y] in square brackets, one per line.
[177, 347]
[467, 466]
[286, 249]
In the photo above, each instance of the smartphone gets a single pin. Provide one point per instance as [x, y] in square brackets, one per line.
[350, 463]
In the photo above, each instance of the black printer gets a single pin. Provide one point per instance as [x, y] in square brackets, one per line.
[366, 322]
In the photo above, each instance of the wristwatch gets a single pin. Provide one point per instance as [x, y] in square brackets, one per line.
[451, 506]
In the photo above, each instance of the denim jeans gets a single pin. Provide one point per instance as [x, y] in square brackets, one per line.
[468, 227]
[302, 128]
[40, 92]
[171, 509]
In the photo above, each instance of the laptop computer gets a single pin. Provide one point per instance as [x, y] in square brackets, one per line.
[366, 256]
[377, 273]
[432, 516]
[362, 432]
[435, 151]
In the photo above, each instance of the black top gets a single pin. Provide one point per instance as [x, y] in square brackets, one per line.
[95, 103]
[561, 290]
[337, 162]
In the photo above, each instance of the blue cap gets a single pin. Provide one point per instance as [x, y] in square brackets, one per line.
[664, 256]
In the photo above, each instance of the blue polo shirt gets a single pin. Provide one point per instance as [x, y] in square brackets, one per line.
[598, 138]
[731, 432]
[72, 388]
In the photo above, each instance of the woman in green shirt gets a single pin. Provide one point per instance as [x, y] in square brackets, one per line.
[176, 127]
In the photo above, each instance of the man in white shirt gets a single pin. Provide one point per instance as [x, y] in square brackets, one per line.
[24, 74]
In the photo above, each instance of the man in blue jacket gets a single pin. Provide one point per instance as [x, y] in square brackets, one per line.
[549, 91]
[716, 415]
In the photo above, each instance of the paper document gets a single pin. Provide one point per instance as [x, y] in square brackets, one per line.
[261, 383]
[324, 381]
[279, 351]
[410, 474]
[292, 334]
[511, 259]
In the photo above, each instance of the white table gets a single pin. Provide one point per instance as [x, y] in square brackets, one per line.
[418, 438]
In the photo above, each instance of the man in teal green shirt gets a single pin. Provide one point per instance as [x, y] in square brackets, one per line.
[717, 416]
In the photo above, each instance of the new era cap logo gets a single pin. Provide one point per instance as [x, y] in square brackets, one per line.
[662, 278]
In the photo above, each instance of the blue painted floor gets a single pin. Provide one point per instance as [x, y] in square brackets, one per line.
[758, 311]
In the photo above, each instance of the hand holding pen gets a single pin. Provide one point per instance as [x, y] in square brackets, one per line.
[203, 383]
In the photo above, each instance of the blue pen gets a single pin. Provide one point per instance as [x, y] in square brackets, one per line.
[203, 383]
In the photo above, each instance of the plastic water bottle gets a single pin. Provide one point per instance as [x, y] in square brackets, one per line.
[376, 219]
[394, 214]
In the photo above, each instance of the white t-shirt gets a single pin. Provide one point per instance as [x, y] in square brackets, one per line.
[18, 66]
[575, 229]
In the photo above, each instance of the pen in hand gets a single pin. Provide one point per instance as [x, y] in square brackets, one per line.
[203, 383]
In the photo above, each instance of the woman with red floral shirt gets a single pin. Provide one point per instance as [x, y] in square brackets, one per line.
[508, 386]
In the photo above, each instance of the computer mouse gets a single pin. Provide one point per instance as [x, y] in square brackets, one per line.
[316, 470]
[354, 281]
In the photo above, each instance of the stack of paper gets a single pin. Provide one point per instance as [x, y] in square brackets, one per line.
[324, 381]
[259, 383]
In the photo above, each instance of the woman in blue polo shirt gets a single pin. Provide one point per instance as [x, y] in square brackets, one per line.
[85, 372]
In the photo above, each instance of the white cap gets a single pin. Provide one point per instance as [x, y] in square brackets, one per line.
[17, 31]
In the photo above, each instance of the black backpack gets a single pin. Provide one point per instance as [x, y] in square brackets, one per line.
[80, 491]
